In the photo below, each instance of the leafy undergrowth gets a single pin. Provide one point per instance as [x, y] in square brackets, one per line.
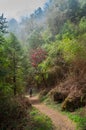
[16, 113]
[41, 122]
[79, 116]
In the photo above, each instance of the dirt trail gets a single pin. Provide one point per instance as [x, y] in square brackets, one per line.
[60, 121]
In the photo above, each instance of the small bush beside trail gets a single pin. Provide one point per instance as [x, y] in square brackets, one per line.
[43, 94]
[71, 93]
[74, 101]
[13, 113]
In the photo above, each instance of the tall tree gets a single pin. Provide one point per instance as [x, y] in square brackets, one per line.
[3, 62]
[35, 40]
[14, 56]
[3, 24]
[38, 55]
[73, 10]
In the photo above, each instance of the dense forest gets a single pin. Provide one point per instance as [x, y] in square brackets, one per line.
[46, 51]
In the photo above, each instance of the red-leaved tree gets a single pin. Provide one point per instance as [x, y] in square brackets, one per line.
[37, 56]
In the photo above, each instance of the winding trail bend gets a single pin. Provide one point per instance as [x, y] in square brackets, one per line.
[61, 122]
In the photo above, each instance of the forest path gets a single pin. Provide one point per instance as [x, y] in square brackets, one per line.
[61, 122]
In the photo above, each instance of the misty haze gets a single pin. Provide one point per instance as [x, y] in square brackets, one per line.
[43, 65]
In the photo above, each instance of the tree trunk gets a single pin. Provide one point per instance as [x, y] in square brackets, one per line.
[14, 82]
[14, 74]
[44, 81]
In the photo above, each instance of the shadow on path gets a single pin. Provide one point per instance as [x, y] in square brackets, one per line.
[34, 100]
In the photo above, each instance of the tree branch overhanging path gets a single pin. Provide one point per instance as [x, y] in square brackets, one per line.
[61, 122]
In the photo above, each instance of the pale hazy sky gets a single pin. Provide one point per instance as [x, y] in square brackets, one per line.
[17, 8]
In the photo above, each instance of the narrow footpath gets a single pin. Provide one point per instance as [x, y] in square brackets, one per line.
[61, 122]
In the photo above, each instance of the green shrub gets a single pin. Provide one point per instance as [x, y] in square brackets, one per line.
[13, 112]
[72, 49]
[43, 94]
